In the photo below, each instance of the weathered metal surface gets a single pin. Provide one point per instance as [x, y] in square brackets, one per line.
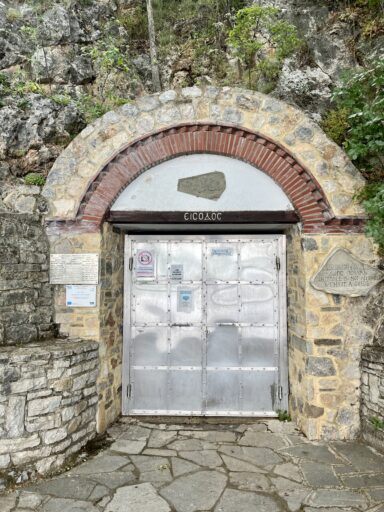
[222, 352]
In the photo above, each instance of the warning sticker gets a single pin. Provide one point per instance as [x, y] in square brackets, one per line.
[145, 264]
[184, 300]
[177, 272]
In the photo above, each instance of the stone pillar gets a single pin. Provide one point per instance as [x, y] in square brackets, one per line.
[326, 335]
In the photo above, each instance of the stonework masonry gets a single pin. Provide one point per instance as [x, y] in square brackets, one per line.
[26, 299]
[48, 402]
[326, 331]
[372, 378]
[326, 334]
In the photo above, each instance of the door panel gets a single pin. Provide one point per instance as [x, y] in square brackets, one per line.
[186, 346]
[205, 326]
[258, 346]
[150, 346]
[222, 303]
[150, 303]
[223, 346]
[223, 391]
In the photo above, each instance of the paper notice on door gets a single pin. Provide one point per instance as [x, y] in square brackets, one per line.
[184, 300]
[177, 272]
[145, 264]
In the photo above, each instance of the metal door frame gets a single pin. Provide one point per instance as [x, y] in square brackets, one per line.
[282, 311]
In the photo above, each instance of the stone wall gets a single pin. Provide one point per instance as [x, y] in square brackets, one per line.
[26, 303]
[372, 379]
[48, 402]
[111, 325]
[326, 335]
[103, 323]
[372, 396]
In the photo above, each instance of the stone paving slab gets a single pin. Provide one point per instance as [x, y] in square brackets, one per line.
[265, 466]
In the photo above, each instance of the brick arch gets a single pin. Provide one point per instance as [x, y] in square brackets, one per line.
[298, 183]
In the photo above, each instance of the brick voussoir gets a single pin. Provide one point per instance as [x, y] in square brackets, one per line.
[296, 181]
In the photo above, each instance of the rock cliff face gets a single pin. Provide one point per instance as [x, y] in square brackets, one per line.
[64, 62]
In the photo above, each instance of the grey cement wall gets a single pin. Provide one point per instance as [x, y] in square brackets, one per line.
[26, 306]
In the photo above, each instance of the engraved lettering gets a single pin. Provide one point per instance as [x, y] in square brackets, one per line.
[343, 274]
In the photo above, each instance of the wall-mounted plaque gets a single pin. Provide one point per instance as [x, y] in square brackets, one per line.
[344, 274]
[74, 268]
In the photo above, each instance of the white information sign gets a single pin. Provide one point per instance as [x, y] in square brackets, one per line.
[74, 268]
[80, 296]
[185, 300]
[177, 272]
[145, 264]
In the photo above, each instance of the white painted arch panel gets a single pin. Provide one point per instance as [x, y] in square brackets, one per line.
[246, 188]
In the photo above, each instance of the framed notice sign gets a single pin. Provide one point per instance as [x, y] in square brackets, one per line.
[74, 269]
[80, 296]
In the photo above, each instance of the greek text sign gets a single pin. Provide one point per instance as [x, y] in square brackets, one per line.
[74, 269]
[344, 274]
[203, 216]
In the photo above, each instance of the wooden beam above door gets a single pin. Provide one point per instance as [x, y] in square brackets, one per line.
[204, 217]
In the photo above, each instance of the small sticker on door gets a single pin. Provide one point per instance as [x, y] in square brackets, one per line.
[177, 272]
[145, 264]
[184, 300]
[221, 251]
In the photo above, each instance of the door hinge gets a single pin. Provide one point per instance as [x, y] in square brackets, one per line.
[130, 263]
[280, 392]
[129, 390]
[277, 263]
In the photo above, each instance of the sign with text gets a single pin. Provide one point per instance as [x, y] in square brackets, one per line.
[74, 268]
[145, 264]
[80, 296]
[343, 274]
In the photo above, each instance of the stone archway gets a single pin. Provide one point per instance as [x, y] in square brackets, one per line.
[274, 137]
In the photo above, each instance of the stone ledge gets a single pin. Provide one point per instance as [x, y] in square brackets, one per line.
[48, 400]
[373, 354]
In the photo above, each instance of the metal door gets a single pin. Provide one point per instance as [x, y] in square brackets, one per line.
[205, 325]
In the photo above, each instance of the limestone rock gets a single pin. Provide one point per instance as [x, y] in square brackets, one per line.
[199, 491]
[141, 497]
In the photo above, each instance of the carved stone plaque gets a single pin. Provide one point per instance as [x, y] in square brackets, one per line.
[210, 185]
[343, 274]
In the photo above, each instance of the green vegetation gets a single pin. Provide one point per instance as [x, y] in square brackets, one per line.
[335, 124]
[357, 123]
[283, 415]
[361, 94]
[13, 14]
[191, 34]
[372, 197]
[33, 178]
[61, 99]
[377, 423]
[262, 41]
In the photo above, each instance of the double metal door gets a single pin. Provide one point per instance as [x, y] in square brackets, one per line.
[205, 328]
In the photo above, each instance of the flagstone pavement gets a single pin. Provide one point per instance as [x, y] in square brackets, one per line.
[265, 466]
